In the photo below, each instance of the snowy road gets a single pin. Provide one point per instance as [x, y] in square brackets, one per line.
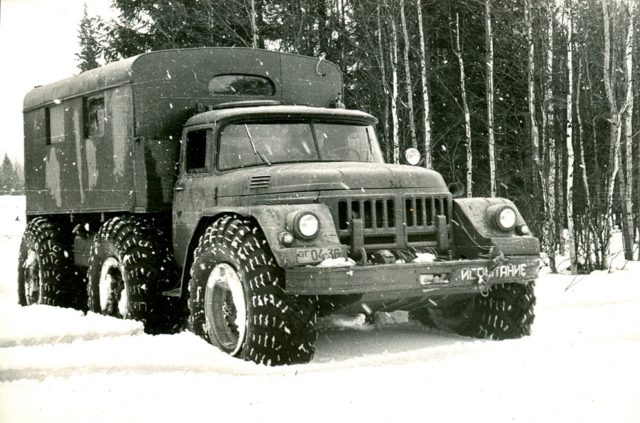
[580, 364]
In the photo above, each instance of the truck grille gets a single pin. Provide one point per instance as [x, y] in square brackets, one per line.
[378, 213]
[392, 220]
[421, 211]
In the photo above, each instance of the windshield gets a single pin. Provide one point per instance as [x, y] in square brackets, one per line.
[268, 143]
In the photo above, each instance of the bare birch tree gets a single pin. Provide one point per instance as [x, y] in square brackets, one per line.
[589, 233]
[549, 146]
[426, 114]
[628, 224]
[614, 132]
[569, 138]
[252, 21]
[531, 90]
[394, 92]
[489, 83]
[407, 75]
[467, 115]
[385, 84]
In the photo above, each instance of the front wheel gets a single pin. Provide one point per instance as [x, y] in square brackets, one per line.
[507, 312]
[237, 299]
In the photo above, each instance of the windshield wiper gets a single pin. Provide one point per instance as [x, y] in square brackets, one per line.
[263, 158]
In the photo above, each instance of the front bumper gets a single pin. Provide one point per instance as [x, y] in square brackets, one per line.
[436, 278]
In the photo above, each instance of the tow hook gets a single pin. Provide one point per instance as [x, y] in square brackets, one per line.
[482, 285]
[483, 279]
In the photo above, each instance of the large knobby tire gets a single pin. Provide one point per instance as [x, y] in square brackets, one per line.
[46, 274]
[237, 301]
[130, 266]
[506, 313]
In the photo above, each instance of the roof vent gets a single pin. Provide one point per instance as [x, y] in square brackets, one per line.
[258, 182]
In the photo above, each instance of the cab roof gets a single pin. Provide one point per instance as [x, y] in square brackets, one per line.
[281, 111]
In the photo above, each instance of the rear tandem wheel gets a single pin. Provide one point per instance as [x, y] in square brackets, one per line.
[130, 266]
[46, 274]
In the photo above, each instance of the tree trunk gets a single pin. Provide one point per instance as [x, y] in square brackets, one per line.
[588, 227]
[531, 90]
[385, 86]
[628, 223]
[614, 133]
[467, 115]
[560, 204]
[489, 66]
[595, 216]
[394, 93]
[254, 27]
[407, 71]
[570, 156]
[549, 145]
[321, 30]
[428, 163]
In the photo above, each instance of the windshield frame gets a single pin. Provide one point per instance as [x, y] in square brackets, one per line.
[311, 122]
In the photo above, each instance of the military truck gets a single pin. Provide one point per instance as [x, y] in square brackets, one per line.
[232, 186]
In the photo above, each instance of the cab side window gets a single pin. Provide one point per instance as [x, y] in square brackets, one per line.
[196, 151]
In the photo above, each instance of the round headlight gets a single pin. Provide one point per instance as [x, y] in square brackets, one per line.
[306, 225]
[506, 218]
[412, 156]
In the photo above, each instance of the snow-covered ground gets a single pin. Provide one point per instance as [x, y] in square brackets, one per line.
[581, 364]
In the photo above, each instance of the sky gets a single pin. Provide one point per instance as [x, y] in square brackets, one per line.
[38, 42]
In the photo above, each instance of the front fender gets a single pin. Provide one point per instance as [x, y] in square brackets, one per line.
[272, 222]
[474, 234]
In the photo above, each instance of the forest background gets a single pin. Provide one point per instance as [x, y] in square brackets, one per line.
[529, 100]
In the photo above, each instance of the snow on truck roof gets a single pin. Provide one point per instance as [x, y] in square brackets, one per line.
[192, 68]
[108, 76]
[284, 111]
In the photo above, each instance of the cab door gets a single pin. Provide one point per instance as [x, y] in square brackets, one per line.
[196, 187]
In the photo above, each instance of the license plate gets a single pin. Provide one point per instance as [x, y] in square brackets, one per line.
[504, 271]
[316, 255]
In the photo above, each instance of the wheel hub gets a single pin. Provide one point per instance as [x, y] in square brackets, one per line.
[113, 293]
[225, 308]
[32, 278]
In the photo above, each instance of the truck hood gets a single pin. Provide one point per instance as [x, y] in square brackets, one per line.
[305, 177]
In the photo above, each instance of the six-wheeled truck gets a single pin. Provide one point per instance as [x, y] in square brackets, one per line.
[231, 189]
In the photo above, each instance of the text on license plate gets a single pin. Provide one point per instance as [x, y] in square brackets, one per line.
[315, 255]
[502, 271]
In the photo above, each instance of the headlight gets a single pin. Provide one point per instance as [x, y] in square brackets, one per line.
[304, 225]
[505, 218]
[412, 156]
